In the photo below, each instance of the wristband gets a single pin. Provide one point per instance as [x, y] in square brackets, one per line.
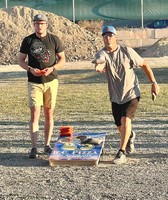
[154, 82]
[29, 69]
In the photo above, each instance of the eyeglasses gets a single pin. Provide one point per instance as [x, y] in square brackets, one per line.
[40, 24]
[108, 35]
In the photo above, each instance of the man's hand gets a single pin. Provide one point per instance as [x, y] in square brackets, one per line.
[43, 72]
[99, 65]
[47, 71]
[154, 90]
[40, 72]
[100, 68]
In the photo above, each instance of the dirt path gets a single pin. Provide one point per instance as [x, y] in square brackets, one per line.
[143, 177]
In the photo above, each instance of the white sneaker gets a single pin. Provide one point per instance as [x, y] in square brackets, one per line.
[120, 158]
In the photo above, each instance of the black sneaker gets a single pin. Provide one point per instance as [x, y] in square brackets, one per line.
[33, 153]
[47, 149]
[119, 158]
[130, 148]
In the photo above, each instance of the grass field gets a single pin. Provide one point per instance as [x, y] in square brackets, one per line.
[82, 93]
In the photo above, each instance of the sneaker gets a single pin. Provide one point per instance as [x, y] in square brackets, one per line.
[47, 149]
[130, 148]
[33, 153]
[119, 158]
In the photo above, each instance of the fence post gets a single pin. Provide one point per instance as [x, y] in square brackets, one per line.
[6, 4]
[142, 14]
[73, 10]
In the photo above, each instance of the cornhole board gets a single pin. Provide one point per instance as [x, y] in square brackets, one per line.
[71, 151]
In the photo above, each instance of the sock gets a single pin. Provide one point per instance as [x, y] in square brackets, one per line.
[131, 134]
[122, 151]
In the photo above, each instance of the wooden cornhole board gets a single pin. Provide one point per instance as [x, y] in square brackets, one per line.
[70, 150]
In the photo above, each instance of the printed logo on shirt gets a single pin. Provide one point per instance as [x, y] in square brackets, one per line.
[39, 51]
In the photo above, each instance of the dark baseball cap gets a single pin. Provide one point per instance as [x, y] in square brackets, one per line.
[40, 17]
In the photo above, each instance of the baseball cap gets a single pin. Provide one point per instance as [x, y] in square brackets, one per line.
[40, 17]
[107, 29]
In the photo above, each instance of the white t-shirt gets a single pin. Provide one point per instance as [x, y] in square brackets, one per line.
[123, 84]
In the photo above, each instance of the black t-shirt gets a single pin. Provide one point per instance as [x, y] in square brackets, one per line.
[41, 54]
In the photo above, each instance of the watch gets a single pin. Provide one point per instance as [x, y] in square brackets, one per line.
[29, 69]
[154, 82]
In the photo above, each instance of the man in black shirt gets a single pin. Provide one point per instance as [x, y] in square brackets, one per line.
[45, 55]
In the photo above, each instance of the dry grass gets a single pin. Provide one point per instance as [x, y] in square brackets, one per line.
[82, 92]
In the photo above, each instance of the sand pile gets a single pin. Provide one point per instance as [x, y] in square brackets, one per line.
[81, 40]
[158, 49]
[16, 23]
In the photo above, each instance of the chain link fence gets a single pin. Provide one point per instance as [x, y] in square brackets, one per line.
[121, 12]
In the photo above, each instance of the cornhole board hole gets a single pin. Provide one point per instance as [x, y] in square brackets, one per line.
[78, 149]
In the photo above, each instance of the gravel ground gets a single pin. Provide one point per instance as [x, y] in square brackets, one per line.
[143, 177]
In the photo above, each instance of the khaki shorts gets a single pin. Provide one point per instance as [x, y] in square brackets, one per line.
[43, 94]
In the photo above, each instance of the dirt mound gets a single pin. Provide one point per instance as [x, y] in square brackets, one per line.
[16, 23]
[158, 49]
[81, 40]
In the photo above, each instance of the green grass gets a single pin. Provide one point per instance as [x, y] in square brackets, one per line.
[82, 93]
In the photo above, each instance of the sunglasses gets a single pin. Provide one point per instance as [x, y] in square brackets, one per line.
[108, 35]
